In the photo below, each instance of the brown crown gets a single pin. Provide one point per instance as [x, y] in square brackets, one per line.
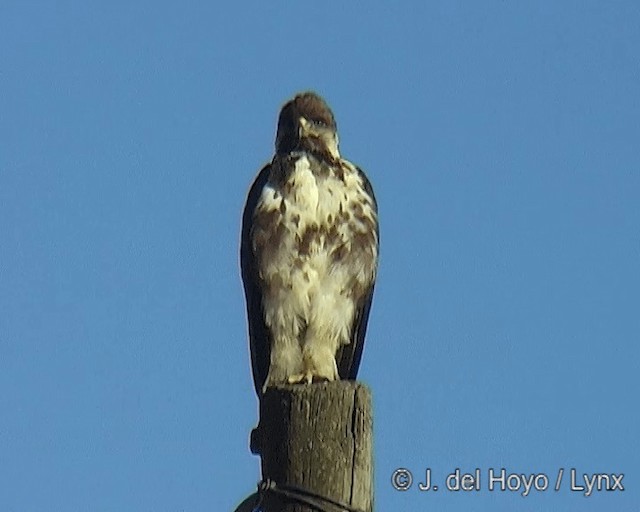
[308, 105]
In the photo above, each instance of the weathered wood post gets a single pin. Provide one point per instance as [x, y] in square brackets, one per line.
[315, 442]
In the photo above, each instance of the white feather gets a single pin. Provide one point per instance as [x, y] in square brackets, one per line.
[307, 307]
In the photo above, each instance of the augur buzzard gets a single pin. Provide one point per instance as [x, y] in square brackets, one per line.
[309, 253]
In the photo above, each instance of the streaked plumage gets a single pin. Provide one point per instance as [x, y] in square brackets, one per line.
[309, 253]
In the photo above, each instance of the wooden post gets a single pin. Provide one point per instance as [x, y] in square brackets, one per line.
[315, 442]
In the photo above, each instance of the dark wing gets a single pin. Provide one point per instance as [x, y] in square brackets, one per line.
[259, 338]
[348, 356]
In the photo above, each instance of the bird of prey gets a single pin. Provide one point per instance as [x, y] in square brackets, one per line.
[309, 253]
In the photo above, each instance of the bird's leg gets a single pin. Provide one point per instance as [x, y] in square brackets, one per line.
[318, 364]
[286, 359]
[318, 359]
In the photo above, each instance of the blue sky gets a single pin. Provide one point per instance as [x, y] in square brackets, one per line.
[502, 142]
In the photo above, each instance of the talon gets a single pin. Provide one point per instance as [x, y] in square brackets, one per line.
[301, 378]
[295, 379]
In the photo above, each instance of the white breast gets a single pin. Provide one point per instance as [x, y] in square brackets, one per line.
[307, 290]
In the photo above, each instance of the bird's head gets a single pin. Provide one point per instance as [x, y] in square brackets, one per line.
[306, 123]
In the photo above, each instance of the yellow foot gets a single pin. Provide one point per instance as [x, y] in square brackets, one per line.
[301, 378]
[306, 378]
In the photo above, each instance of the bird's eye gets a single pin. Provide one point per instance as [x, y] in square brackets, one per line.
[319, 122]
